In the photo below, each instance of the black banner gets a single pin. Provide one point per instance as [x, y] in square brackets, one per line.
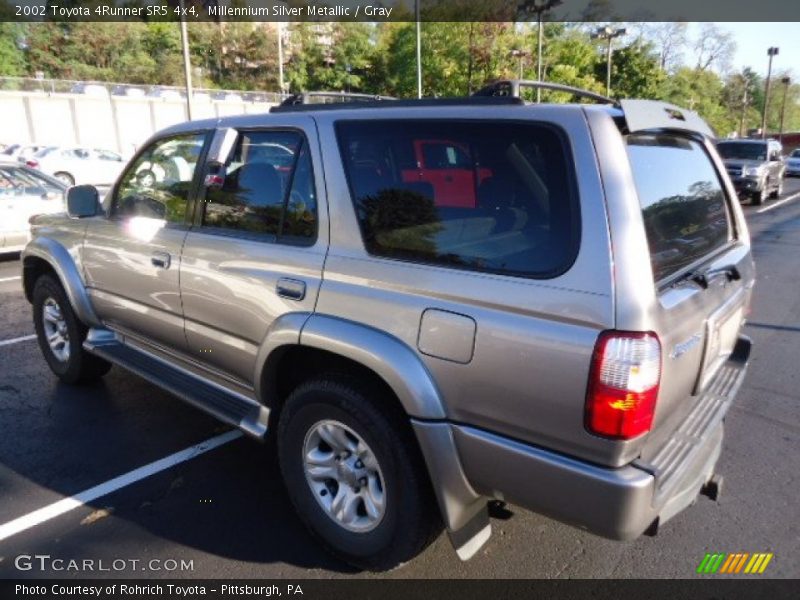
[374, 589]
[401, 10]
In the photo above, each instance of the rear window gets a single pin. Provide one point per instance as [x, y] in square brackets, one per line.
[683, 202]
[492, 197]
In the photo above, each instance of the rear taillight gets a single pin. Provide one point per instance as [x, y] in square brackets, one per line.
[33, 164]
[623, 384]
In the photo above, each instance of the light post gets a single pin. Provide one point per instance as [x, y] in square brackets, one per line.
[539, 8]
[607, 33]
[280, 60]
[187, 65]
[520, 54]
[419, 51]
[771, 52]
[785, 81]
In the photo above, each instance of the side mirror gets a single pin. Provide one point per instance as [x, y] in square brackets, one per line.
[83, 201]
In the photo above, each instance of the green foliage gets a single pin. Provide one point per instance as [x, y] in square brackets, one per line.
[457, 59]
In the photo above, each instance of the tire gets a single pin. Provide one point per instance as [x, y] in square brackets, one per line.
[395, 473]
[65, 356]
[778, 190]
[65, 178]
[758, 198]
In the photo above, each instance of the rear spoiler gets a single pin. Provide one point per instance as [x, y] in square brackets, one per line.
[641, 115]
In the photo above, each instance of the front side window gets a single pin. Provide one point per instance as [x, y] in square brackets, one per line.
[157, 184]
[682, 199]
[268, 189]
[494, 197]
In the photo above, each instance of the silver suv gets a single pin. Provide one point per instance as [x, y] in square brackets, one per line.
[432, 307]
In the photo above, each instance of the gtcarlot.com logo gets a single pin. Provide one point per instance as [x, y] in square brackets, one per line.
[734, 564]
[45, 562]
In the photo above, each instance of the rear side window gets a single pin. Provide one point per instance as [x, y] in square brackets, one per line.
[492, 197]
[268, 189]
[683, 203]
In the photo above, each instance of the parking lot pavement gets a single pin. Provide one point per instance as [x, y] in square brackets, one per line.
[226, 512]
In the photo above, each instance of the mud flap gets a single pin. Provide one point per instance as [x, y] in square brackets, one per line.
[471, 537]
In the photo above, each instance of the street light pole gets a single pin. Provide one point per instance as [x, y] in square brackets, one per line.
[520, 54]
[772, 51]
[608, 34]
[419, 53]
[187, 66]
[785, 81]
[529, 7]
[280, 59]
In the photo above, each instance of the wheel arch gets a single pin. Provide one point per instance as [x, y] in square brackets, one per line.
[45, 255]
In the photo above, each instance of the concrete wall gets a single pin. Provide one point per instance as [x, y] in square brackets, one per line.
[115, 123]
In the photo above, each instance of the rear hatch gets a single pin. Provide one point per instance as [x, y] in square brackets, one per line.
[702, 267]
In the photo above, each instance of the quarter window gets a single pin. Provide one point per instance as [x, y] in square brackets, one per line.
[492, 197]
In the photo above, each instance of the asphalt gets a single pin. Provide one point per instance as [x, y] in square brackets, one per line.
[227, 513]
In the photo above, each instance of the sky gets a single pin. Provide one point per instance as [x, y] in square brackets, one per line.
[753, 39]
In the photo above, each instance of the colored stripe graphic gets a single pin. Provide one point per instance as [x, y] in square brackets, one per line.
[723, 563]
[711, 563]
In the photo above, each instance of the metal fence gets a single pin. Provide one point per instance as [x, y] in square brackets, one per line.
[106, 89]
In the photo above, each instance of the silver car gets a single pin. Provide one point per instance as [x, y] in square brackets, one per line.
[24, 193]
[431, 306]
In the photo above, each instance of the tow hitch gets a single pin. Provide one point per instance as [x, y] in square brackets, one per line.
[713, 488]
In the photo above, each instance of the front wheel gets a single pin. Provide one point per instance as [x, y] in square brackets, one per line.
[355, 474]
[778, 192]
[61, 334]
[760, 196]
[65, 178]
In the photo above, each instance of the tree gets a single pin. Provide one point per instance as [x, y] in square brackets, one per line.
[669, 40]
[714, 48]
[635, 72]
[12, 56]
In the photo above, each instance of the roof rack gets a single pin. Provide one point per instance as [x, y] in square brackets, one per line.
[330, 98]
[511, 87]
[469, 101]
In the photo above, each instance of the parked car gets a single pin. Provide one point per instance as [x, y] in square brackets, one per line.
[793, 164]
[90, 89]
[756, 167]
[73, 165]
[165, 93]
[21, 152]
[24, 193]
[568, 340]
[128, 91]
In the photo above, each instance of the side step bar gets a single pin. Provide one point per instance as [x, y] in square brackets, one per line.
[227, 406]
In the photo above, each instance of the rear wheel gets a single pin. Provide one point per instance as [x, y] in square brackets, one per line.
[355, 474]
[65, 178]
[61, 334]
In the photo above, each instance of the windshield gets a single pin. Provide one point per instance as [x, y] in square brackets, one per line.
[745, 151]
[796, 153]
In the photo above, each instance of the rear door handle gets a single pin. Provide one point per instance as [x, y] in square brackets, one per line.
[161, 260]
[294, 289]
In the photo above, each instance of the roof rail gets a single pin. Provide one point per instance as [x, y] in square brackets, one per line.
[468, 101]
[511, 87]
[330, 97]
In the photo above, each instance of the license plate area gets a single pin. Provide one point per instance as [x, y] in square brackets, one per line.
[722, 331]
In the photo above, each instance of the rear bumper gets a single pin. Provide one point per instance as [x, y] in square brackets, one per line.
[615, 503]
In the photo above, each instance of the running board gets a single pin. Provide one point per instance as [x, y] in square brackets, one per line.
[229, 407]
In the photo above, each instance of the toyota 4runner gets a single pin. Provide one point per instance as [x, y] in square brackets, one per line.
[431, 306]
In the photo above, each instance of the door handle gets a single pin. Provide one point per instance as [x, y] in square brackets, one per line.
[294, 289]
[161, 260]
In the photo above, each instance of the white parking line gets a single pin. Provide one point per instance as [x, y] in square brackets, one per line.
[56, 509]
[777, 204]
[10, 278]
[24, 338]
